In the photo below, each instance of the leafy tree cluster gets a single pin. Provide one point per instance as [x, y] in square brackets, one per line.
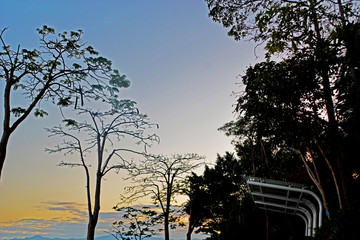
[136, 223]
[62, 70]
[215, 200]
[105, 133]
[221, 207]
[67, 72]
[307, 103]
[162, 178]
[299, 111]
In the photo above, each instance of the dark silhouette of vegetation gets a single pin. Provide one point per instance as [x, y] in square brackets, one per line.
[218, 202]
[343, 225]
[100, 136]
[63, 70]
[300, 113]
[136, 223]
[162, 178]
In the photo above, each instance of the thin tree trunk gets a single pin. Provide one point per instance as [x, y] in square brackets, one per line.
[265, 159]
[188, 234]
[328, 99]
[341, 11]
[7, 129]
[253, 161]
[190, 228]
[91, 229]
[332, 173]
[93, 218]
[6, 125]
[3, 146]
[316, 180]
[166, 226]
[167, 208]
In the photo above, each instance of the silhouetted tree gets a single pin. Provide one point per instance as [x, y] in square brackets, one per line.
[307, 101]
[136, 223]
[162, 178]
[215, 198]
[63, 70]
[194, 207]
[103, 134]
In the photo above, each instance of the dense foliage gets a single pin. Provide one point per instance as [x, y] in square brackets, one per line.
[215, 200]
[298, 114]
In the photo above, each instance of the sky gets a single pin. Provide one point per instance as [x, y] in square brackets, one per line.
[183, 69]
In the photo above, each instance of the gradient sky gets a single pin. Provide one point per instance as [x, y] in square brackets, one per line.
[182, 67]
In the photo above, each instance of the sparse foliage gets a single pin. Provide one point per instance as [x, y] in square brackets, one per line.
[63, 70]
[161, 178]
[103, 136]
[136, 223]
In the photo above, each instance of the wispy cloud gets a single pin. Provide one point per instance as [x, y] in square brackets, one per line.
[69, 220]
[25, 227]
[74, 209]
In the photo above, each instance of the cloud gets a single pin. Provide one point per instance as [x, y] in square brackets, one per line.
[70, 211]
[54, 227]
[24, 227]
[69, 220]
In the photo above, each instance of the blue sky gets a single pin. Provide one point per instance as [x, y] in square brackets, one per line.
[183, 69]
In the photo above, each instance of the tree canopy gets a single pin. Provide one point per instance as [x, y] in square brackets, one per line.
[63, 70]
[219, 204]
[299, 108]
[99, 137]
[162, 178]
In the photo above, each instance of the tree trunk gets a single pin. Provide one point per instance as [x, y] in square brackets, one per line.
[6, 125]
[166, 226]
[321, 51]
[332, 173]
[3, 146]
[7, 129]
[190, 228]
[93, 218]
[91, 228]
[334, 135]
[188, 234]
[316, 180]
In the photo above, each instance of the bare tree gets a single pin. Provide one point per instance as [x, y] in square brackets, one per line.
[105, 133]
[161, 177]
[63, 70]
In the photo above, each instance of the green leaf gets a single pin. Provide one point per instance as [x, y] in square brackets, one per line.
[64, 102]
[70, 122]
[76, 66]
[40, 113]
[119, 81]
[18, 111]
[91, 50]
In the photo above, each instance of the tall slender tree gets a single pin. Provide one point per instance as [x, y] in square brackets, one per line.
[103, 134]
[162, 178]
